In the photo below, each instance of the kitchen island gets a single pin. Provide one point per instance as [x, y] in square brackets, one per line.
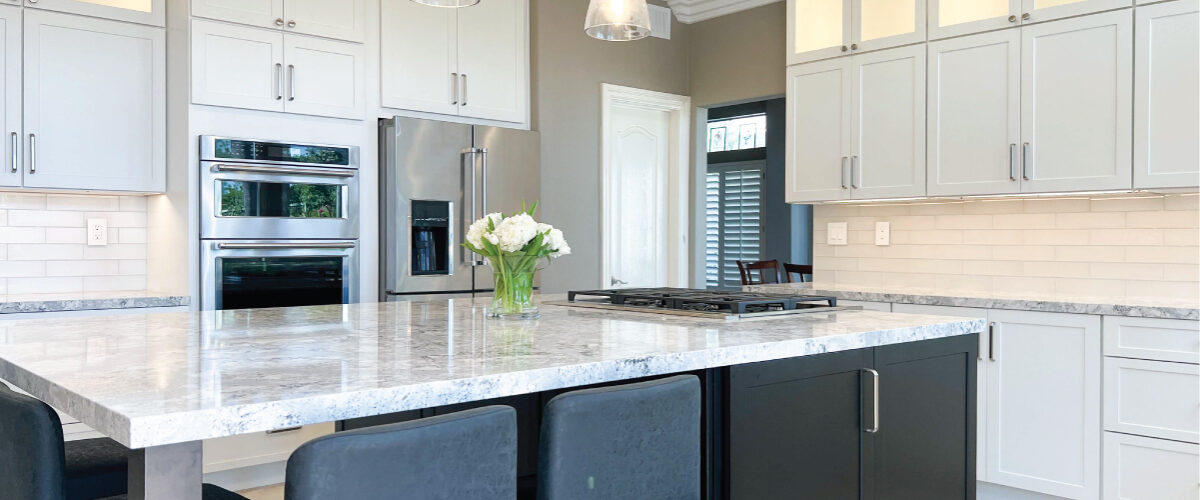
[161, 383]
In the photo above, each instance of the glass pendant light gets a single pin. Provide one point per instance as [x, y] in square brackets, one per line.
[447, 3]
[617, 20]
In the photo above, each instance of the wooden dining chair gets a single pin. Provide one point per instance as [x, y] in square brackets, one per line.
[799, 270]
[767, 270]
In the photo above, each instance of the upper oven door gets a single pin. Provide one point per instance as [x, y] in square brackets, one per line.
[269, 201]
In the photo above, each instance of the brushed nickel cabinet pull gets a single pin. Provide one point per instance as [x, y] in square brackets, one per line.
[875, 401]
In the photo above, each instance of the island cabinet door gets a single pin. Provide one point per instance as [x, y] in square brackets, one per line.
[794, 427]
[919, 420]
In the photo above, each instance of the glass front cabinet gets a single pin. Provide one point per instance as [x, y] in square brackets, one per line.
[948, 18]
[821, 29]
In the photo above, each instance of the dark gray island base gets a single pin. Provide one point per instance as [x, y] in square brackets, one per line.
[893, 422]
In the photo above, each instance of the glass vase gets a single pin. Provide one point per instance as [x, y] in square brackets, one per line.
[513, 291]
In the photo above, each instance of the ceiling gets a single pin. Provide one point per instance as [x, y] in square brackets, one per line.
[690, 11]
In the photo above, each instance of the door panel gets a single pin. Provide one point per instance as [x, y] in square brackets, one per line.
[493, 60]
[1140, 468]
[818, 122]
[888, 143]
[949, 18]
[1044, 403]
[93, 86]
[419, 76]
[879, 24]
[237, 67]
[1166, 99]
[10, 34]
[1152, 398]
[1075, 98]
[637, 197]
[324, 77]
[975, 114]
[818, 29]
[262, 13]
[341, 19]
[152, 12]
[512, 175]
[1046, 10]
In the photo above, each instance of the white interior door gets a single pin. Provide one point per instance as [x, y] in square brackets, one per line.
[636, 232]
[264, 13]
[341, 19]
[419, 48]
[975, 114]
[1166, 95]
[1076, 111]
[493, 60]
[10, 96]
[94, 85]
[1044, 403]
[237, 66]
[324, 77]
[888, 142]
[818, 131]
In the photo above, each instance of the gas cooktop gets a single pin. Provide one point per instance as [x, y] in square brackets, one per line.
[702, 303]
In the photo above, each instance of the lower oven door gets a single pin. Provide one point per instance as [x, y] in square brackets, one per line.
[240, 274]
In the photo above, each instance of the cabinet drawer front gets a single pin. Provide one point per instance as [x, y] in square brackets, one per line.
[258, 448]
[1152, 338]
[1137, 468]
[1152, 398]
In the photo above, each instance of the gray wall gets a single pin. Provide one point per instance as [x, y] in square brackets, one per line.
[568, 68]
[739, 57]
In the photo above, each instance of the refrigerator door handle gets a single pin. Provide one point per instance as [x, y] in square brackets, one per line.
[483, 169]
[474, 214]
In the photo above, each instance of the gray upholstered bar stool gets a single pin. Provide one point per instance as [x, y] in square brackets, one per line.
[637, 440]
[468, 454]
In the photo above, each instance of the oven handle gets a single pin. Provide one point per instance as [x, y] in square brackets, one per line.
[266, 246]
[320, 172]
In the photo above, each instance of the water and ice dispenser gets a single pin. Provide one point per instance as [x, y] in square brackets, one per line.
[430, 238]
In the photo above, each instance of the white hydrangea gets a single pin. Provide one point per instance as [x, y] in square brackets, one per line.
[554, 240]
[514, 232]
[476, 232]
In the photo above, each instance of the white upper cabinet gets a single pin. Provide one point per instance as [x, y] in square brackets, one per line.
[324, 77]
[237, 67]
[949, 18]
[340, 19]
[820, 29]
[152, 12]
[1166, 99]
[471, 62]
[819, 110]
[1076, 94]
[888, 142]
[975, 114]
[1033, 11]
[10, 98]
[93, 85]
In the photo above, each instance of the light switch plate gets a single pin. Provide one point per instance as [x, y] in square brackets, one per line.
[97, 232]
[835, 233]
[883, 233]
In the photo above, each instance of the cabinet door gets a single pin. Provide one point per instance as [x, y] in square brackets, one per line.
[152, 12]
[341, 19]
[237, 67]
[924, 445]
[1166, 96]
[10, 98]
[949, 18]
[818, 125]
[419, 76]
[95, 100]
[1076, 119]
[975, 114]
[493, 60]
[1044, 403]
[888, 143]
[263, 13]
[1152, 398]
[818, 29]
[879, 24]
[1140, 468]
[795, 427]
[1045, 10]
[324, 77]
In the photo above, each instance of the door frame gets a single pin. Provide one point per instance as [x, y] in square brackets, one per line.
[678, 173]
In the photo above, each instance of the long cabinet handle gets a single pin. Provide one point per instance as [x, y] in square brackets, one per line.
[464, 89]
[278, 81]
[291, 82]
[855, 172]
[33, 153]
[15, 144]
[1025, 161]
[992, 341]
[874, 401]
[1012, 162]
[454, 88]
[843, 176]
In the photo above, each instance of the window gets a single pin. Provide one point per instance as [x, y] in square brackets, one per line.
[744, 132]
[733, 221]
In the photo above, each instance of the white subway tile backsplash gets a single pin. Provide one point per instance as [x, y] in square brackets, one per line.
[131, 234]
[81, 268]
[76, 235]
[45, 218]
[113, 283]
[44, 251]
[22, 269]
[60, 202]
[115, 251]
[133, 203]
[23, 201]
[45, 285]
[22, 235]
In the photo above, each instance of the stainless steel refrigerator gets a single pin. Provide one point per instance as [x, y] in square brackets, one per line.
[435, 179]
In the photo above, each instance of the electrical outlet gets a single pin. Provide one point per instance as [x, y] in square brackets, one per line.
[883, 233]
[835, 233]
[97, 232]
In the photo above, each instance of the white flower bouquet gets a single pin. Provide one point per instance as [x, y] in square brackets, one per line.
[513, 246]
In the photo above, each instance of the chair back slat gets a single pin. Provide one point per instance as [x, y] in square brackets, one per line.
[800, 270]
[759, 272]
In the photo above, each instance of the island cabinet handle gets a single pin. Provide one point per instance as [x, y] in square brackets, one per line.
[992, 341]
[874, 402]
[285, 429]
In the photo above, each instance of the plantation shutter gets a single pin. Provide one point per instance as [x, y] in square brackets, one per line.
[733, 215]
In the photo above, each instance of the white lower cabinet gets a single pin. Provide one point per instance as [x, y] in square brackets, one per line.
[259, 448]
[1142, 468]
[1152, 398]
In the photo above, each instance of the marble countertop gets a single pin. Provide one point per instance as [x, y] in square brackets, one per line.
[1048, 302]
[54, 302]
[157, 379]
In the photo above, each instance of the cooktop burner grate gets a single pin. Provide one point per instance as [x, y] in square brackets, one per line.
[686, 299]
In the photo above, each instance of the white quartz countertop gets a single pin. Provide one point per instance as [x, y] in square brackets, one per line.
[82, 301]
[157, 379]
[1032, 301]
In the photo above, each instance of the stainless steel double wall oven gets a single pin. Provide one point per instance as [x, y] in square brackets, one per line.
[278, 223]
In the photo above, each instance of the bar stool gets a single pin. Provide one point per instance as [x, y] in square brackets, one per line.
[467, 454]
[637, 440]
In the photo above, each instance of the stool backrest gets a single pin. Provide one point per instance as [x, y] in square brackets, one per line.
[468, 454]
[759, 272]
[31, 448]
[800, 270]
[637, 440]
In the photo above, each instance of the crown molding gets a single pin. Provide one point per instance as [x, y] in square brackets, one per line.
[691, 11]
